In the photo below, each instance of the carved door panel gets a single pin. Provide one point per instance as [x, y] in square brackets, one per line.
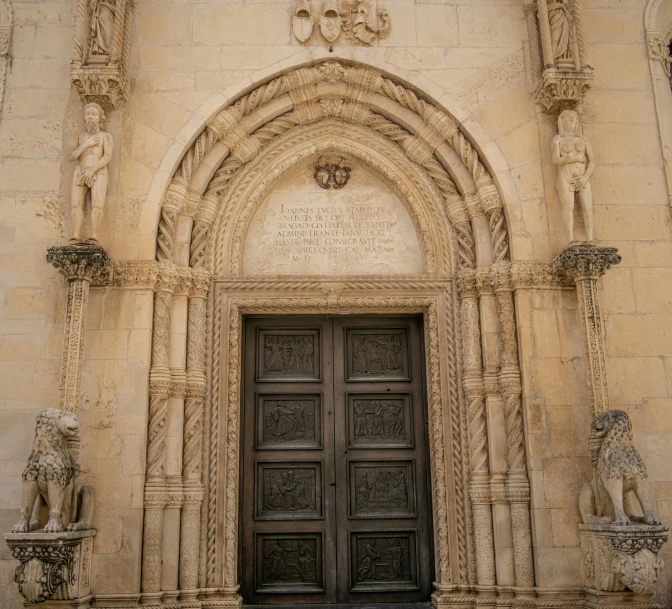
[334, 502]
[382, 518]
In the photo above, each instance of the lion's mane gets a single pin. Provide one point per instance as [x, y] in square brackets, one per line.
[618, 456]
[51, 458]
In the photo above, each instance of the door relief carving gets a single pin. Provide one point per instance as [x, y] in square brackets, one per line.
[289, 563]
[377, 355]
[382, 490]
[380, 421]
[381, 561]
[292, 421]
[289, 356]
[289, 490]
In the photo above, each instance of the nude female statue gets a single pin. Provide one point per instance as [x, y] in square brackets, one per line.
[576, 162]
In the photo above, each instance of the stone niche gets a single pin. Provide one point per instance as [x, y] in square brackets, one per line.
[312, 224]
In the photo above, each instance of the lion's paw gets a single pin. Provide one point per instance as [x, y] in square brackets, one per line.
[74, 526]
[622, 520]
[54, 526]
[651, 518]
[21, 527]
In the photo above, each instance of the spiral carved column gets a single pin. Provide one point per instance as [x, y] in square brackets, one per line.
[159, 388]
[190, 528]
[479, 487]
[517, 482]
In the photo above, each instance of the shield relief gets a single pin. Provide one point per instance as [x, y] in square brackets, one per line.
[302, 22]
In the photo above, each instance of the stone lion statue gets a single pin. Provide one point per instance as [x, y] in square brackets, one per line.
[617, 470]
[50, 479]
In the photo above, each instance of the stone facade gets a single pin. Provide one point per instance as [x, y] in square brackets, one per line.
[342, 158]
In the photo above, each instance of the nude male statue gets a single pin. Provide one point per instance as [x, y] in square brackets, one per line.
[576, 162]
[92, 153]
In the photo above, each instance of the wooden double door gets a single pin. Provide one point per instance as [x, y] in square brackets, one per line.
[335, 501]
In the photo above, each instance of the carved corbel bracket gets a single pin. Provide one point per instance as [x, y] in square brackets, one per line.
[559, 90]
[616, 558]
[53, 565]
[585, 261]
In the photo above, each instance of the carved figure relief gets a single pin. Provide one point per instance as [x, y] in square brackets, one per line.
[332, 172]
[289, 356]
[383, 559]
[289, 489]
[575, 160]
[50, 479]
[92, 153]
[302, 21]
[380, 422]
[364, 21]
[292, 561]
[101, 29]
[381, 355]
[289, 422]
[382, 490]
[617, 470]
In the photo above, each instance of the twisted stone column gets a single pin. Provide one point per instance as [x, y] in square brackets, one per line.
[474, 391]
[190, 529]
[159, 389]
[533, 37]
[585, 264]
[545, 34]
[517, 482]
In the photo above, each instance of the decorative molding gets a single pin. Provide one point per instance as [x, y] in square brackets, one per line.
[658, 51]
[100, 58]
[135, 274]
[297, 303]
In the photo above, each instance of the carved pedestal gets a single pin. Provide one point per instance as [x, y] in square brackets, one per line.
[618, 559]
[54, 569]
[585, 264]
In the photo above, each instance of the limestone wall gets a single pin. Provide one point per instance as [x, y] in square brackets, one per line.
[187, 59]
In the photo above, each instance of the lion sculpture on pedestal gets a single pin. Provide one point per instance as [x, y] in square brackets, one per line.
[51, 476]
[617, 470]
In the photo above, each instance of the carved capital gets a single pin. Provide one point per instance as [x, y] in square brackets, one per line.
[167, 278]
[183, 280]
[104, 85]
[5, 36]
[658, 49]
[558, 89]
[200, 283]
[585, 261]
[86, 262]
[467, 284]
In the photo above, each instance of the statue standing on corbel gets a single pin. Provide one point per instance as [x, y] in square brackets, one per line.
[575, 160]
[92, 153]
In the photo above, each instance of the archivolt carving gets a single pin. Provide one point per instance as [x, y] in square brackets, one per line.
[427, 135]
